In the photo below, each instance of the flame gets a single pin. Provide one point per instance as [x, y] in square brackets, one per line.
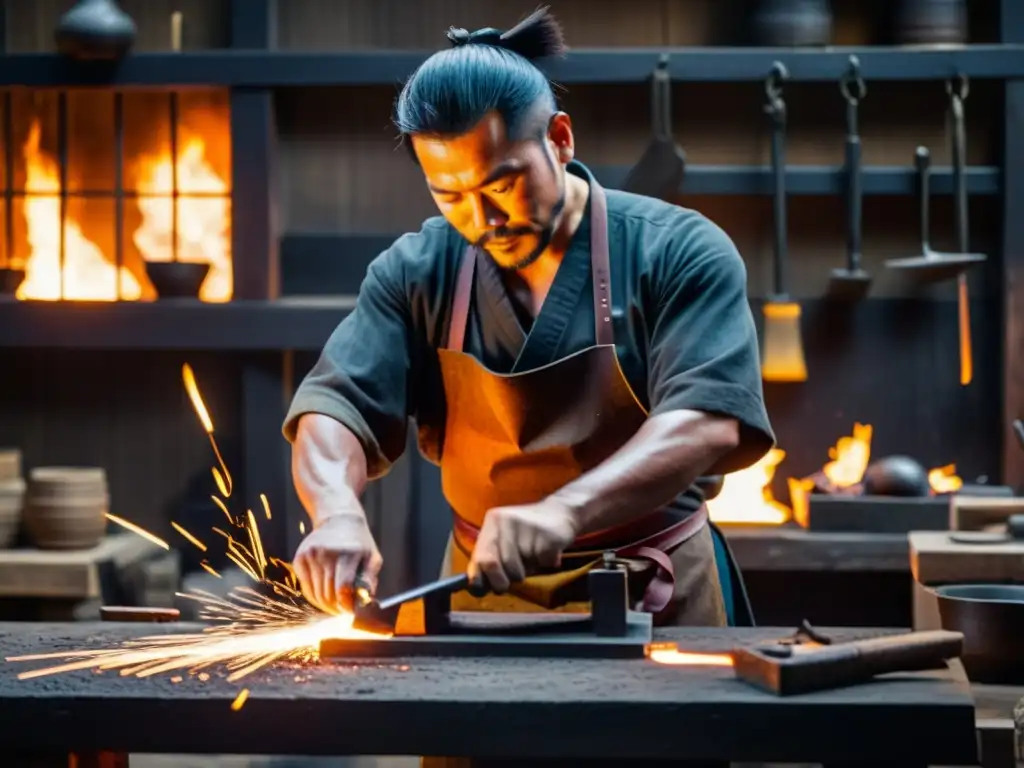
[746, 496]
[87, 273]
[203, 222]
[944, 479]
[249, 631]
[90, 275]
[850, 457]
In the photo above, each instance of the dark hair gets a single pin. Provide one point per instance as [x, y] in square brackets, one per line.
[487, 70]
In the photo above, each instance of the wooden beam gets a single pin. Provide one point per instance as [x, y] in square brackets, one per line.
[254, 246]
[1012, 30]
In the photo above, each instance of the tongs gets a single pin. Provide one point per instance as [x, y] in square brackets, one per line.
[380, 616]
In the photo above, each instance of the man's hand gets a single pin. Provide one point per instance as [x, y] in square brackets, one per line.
[328, 560]
[517, 540]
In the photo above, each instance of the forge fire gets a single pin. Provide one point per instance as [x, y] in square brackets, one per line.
[172, 201]
[747, 498]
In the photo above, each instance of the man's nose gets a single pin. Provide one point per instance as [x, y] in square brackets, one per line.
[488, 215]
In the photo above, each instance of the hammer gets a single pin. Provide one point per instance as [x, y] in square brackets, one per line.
[380, 616]
[791, 666]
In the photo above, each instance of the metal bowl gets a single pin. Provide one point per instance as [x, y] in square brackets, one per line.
[177, 279]
[991, 618]
[10, 279]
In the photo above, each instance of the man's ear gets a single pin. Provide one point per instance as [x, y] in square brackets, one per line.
[563, 143]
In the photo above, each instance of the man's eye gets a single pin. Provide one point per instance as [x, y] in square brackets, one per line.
[506, 187]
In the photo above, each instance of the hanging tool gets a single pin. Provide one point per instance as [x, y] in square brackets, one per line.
[659, 172]
[932, 266]
[957, 95]
[852, 282]
[782, 359]
[810, 662]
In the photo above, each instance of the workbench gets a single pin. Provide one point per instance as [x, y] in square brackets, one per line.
[509, 708]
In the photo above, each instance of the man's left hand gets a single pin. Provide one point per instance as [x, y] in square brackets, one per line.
[514, 541]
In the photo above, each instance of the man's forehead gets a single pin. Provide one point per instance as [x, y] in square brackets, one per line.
[468, 160]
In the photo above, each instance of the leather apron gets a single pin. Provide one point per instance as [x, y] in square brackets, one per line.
[517, 438]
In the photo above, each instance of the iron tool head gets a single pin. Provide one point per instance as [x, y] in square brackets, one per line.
[371, 617]
[934, 267]
[849, 284]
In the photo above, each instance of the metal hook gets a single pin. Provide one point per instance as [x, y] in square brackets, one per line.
[773, 83]
[776, 107]
[959, 86]
[852, 78]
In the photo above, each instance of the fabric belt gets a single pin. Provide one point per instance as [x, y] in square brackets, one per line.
[651, 539]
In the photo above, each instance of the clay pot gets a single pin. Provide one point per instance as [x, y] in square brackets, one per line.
[10, 280]
[177, 279]
[12, 501]
[10, 464]
[66, 507]
[95, 29]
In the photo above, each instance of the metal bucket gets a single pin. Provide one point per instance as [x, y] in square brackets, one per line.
[991, 618]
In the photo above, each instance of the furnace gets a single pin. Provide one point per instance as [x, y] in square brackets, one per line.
[101, 184]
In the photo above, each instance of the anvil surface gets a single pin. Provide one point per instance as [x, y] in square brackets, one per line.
[499, 707]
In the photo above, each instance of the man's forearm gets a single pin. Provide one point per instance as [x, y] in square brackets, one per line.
[328, 467]
[659, 462]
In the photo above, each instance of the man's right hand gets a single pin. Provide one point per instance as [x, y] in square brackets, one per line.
[330, 558]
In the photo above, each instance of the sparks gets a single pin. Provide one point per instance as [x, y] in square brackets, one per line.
[248, 630]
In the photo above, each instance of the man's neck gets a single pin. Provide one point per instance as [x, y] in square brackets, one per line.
[539, 274]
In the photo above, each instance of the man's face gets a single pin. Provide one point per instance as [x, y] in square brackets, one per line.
[502, 196]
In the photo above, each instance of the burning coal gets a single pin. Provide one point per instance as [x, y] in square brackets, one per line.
[746, 496]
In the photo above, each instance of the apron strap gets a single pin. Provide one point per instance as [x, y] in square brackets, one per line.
[460, 303]
[604, 333]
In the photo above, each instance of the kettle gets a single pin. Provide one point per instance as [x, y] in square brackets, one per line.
[95, 30]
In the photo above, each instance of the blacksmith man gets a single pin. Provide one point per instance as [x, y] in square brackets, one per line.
[574, 358]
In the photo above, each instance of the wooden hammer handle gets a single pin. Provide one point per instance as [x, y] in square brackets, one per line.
[904, 653]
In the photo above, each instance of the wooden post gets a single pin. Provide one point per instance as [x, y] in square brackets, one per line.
[1018, 733]
[1011, 26]
[254, 252]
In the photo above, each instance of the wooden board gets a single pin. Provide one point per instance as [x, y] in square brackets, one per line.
[70, 574]
[877, 514]
[974, 513]
[935, 559]
[521, 708]
[791, 548]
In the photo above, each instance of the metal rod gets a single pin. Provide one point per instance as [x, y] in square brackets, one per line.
[118, 188]
[129, 194]
[62, 164]
[176, 21]
[173, 105]
[9, 177]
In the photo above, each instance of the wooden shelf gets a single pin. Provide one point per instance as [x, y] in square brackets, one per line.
[247, 68]
[188, 324]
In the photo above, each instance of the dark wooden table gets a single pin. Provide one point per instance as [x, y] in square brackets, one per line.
[510, 708]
